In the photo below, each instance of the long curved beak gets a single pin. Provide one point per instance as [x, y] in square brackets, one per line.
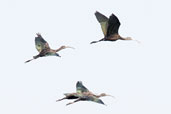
[137, 41]
[69, 47]
[111, 96]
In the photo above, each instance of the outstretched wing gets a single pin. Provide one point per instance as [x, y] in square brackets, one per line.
[80, 87]
[40, 43]
[103, 20]
[94, 99]
[113, 25]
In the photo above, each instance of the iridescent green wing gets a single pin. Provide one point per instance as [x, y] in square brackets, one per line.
[94, 99]
[80, 87]
[103, 20]
[40, 43]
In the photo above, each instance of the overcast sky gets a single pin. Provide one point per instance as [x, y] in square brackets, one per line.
[138, 75]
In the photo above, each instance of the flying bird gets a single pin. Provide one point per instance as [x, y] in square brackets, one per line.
[43, 48]
[83, 94]
[110, 27]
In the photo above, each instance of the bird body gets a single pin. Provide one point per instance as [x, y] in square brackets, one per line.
[83, 94]
[110, 27]
[43, 48]
[113, 37]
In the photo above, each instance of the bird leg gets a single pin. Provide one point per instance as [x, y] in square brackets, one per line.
[97, 41]
[29, 60]
[74, 101]
[34, 57]
[93, 42]
[60, 99]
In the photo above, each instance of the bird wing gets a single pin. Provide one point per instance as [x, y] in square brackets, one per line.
[94, 99]
[40, 43]
[80, 87]
[103, 20]
[113, 25]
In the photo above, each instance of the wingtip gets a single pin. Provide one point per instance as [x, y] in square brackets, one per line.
[79, 82]
[104, 104]
[112, 15]
[96, 12]
[38, 34]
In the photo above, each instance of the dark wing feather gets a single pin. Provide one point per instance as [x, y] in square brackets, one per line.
[113, 25]
[100, 17]
[103, 20]
[80, 87]
[40, 43]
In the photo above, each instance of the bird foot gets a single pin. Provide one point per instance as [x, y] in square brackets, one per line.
[69, 104]
[93, 42]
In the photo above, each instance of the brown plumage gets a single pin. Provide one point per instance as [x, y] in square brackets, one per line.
[43, 48]
[109, 27]
[83, 94]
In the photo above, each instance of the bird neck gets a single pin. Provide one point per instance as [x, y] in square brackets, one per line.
[98, 96]
[59, 49]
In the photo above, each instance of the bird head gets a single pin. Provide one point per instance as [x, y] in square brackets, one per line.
[63, 47]
[128, 38]
[104, 94]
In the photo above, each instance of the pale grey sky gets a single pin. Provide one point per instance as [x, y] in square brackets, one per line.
[137, 74]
